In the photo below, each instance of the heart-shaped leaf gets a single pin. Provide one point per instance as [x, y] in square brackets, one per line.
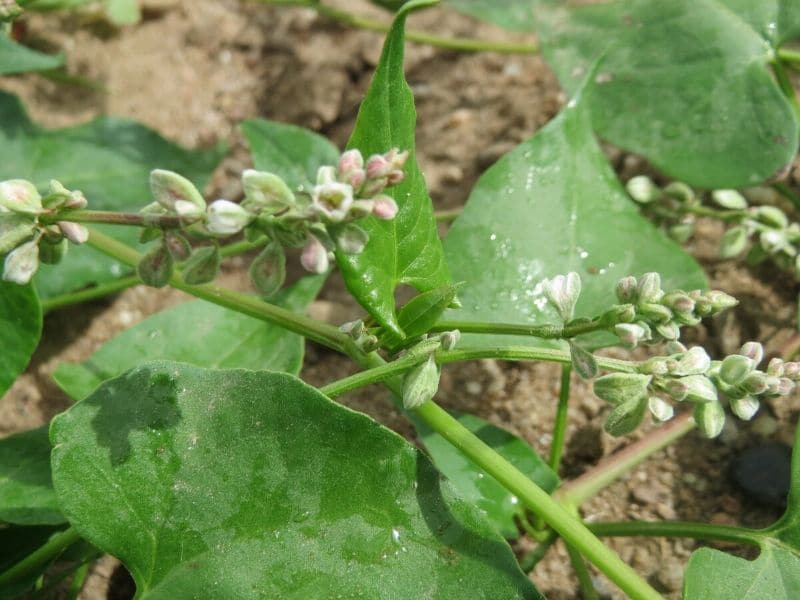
[20, 329]
[550, 206]
[26, 488]
[199, 333]
[684, 83]
[108, 159]
[775, 574]
[16, 58]
[241, 484]
[405, 250]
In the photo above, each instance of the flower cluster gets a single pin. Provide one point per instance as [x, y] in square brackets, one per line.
[319, 219]
[766, 229]
[689, 375]
[25, 241]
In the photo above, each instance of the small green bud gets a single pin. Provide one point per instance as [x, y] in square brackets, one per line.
[775, 368]
[155, 268]
[772, 215]
[681, 232]
[21, 263]
[562, 291]
[618, 387]
[700, 388]
[626, 416]
[679, 191]
[655, 312]
[642, 189]
[669, 331]
[202, 266]
[20, 196]
[52, 253]
[583, 361]
[735, 368]
[660, 409]
[677, 389]
[266, 192]
[353, 328]
[420, 384]
[753, 351]
[626, 290]
[168, 187]
[14, 229]
[744, 408]
[720, 301]
[351, 239]
[268, 270]
[449, 339]
[189, 212]
[74, 232]
[631, 334]
[710, 418]
[774, 241]
[658, 365]
[791, 370]
[622, 313]
[368, 343]
[730, 199]
[733, 242]
[227, 218]
[755, 383]
[649, 288]
[691, 362]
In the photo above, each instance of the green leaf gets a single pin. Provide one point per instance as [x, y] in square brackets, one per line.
[124, 12]
[26, 488]
[775, 20]
[199, 333]
[16, 58]
[108, 159]
[241, 484]
[775, 574]
[292, 153]
[550, 206]
[514, 15]
[405, 250]
[684, 83]
[20, 329]
[421, 313]
[476, 486]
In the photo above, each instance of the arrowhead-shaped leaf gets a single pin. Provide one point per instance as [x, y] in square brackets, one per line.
[241, 484]
[20, 329]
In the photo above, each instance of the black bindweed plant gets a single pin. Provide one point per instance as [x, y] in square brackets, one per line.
[196, 455]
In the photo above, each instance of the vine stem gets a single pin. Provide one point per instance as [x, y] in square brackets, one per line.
[680, 529]
[116, 218]
[546, 331]
[42, 555]
[532, 496]
[560, 427]
[418, 37]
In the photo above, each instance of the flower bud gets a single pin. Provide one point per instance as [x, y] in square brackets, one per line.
[168, 187]
[331, 200]
[755, 383]
[420, 384]
[649, 288]
[367, 343]
[677, 389]
[785, 386]
[155, 268]
[774, 241]
[227, 218]
[618, 387]
[266, 192]
[658, 365]
[626, 416]
[669, 331]
[74, 232]
[268, 270]
[373, 187]
[314, 257]
[76, 200]
[350, 161]
[655, 312]
[449, 339]
[694, 361]
[675, 347]
[733, 242]
[642, 189]
[630, 334]
[562, 291]
[682, 232]
[14, 229]
[189, 212]
[326, 174]
[701, 388]
[720, 301]
[353, 328]
[20, 196]
[710, 418]
[202, 266]
[730, 199]
[361, 208]
[351, 239]
[744, 408]
[772, 215]
[622, 313]
[791, 370]
[660, 409]
[679, 191]
[735, 368]
[583, 361]
[679, 302]
[385, 207]
[51, 253]
[21, 263]
[57, 195]
[626, 290]
[776, 367]
[377, 166]
[754, 351]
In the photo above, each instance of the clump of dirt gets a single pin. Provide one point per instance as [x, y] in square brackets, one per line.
[194, 69]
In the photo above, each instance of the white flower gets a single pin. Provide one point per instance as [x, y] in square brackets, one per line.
[226, 218]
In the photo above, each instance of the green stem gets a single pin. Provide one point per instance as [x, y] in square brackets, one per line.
[782, 77]
[588, 591]
[116, 218]
[418, 37]
[445, 216]
[322, 333]
[560, 428]
[679, 529]
[546, 331]
[39, 557]
[531, 559]
[105, 289]
[721, 215]
[537, 500]
[789, 56]
[374, 375]
[520, 353]
[577, 491]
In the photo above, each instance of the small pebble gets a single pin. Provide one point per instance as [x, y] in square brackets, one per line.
[763, 473]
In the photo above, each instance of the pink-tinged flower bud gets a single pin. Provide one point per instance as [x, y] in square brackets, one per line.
[21, 263]
[266, 192]
[350, 161]
[372, 187]
[791, 370]
[649, 288]
[385, 208]
[314, 257]
[378, 167]
[753, 351]
[20, 196]
[76, 200]
[626, 289]
[168, 187]
[776, 367]
[74, 232]
[396, 158]
[744, 408]
[355, 178]
[630, 334]
[227, 218]
[395, 177]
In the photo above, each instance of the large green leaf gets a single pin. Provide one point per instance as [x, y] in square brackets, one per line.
[550, 206]
[500, 506]
[775, 574]
[16, 58]
[775, 20]
[405, 250]
[515, 15]
[20, 329]
[241, 484]
[110, 160]
[198, 333]
[684, 83]
[26, 488]
[289, 151]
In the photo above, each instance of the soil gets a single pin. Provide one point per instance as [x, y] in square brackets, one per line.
[194, 69]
